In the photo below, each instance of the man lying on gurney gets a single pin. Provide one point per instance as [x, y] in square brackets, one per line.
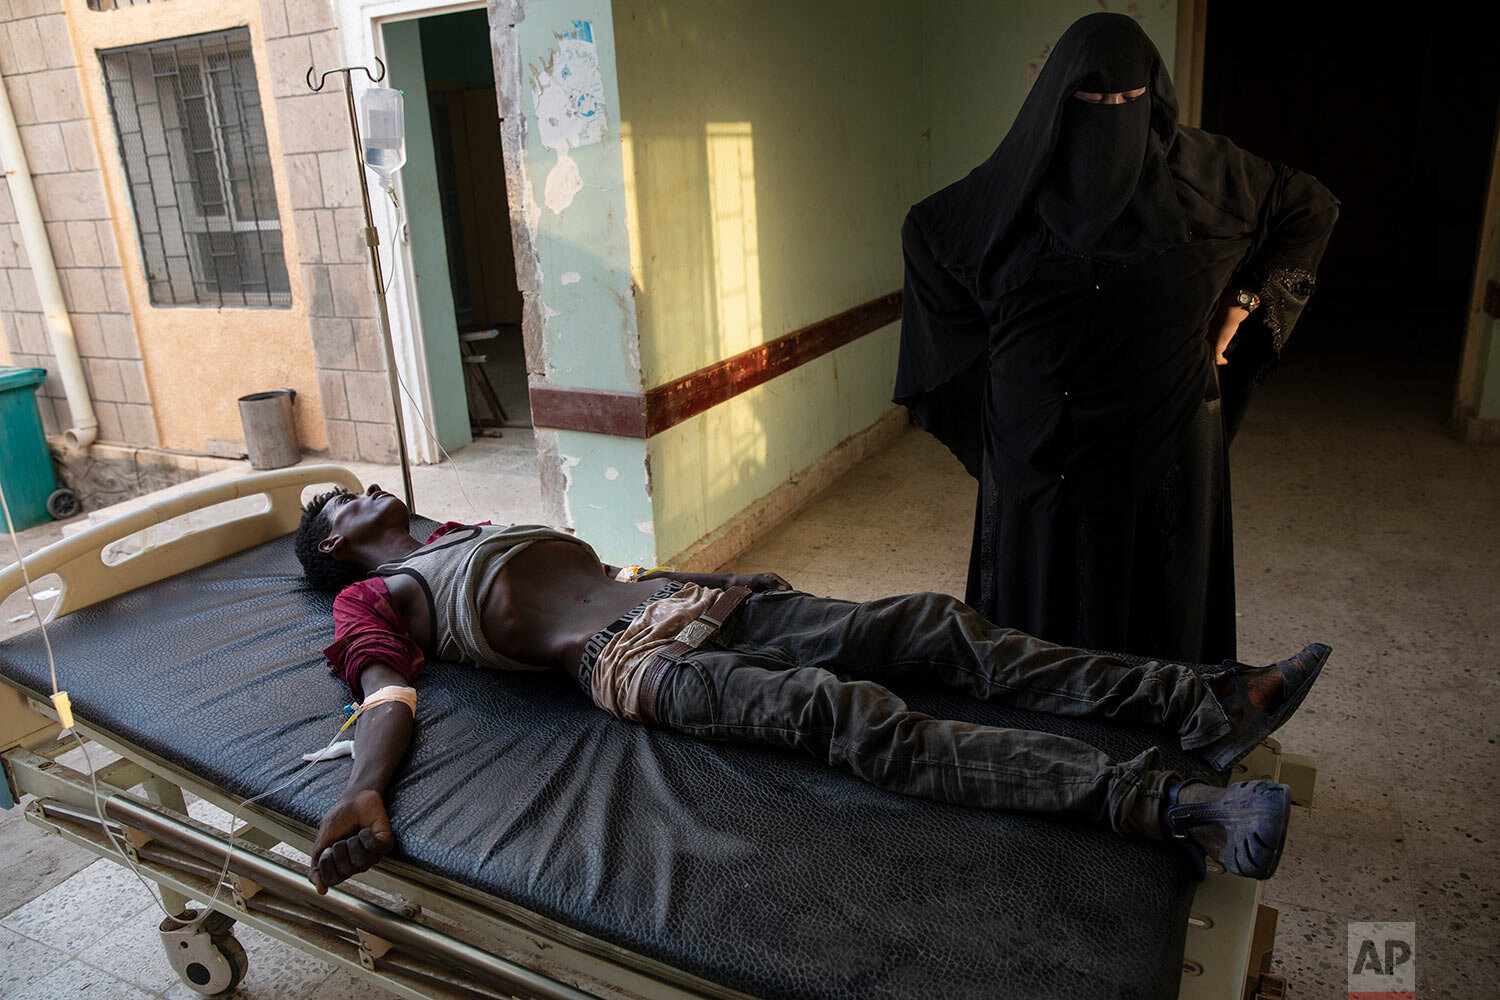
[747, 658]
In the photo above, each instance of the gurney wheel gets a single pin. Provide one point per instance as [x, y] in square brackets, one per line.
[207, 956]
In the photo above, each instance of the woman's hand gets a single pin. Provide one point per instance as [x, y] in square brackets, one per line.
[759, 582]
[1226, 324]
[354, 835]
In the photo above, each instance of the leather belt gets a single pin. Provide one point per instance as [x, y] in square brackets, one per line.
[693, 635]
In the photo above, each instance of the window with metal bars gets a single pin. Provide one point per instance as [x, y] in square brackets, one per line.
[116, 4]
[193, 140]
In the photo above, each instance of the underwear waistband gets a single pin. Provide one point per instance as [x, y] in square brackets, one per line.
[600, 639]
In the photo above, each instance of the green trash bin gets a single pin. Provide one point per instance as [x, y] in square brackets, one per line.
[25, 463]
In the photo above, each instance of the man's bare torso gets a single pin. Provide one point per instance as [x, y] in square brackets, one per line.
[545, 604]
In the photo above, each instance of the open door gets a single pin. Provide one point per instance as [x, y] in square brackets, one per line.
[1398, 118]
[1476, 399]
[460, 273]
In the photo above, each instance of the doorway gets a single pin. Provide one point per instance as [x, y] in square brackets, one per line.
[1397, 117]
[457, 227]
[465, 116]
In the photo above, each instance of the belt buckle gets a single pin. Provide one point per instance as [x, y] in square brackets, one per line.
[695, 632]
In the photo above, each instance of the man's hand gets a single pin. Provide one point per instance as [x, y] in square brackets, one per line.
[354, 835]
[759, 582]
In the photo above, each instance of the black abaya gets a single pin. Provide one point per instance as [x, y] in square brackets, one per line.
[1104, 515]
[1055, 332]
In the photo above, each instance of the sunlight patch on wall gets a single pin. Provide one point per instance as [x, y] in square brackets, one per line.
[736, 244]
[677, 304]
[632, 207]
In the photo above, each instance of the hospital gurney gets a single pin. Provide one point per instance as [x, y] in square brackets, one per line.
[547, 850]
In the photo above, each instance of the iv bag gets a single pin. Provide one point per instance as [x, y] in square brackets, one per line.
[383, 131]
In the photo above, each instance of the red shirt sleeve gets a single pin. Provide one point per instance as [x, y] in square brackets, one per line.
[368, 629]
[446, 527]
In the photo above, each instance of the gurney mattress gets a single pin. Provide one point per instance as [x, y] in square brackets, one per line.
[760, 871]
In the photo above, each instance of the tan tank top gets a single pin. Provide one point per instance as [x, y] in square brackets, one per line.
[456, 572]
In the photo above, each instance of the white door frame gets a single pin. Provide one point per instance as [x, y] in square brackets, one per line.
[360, 41]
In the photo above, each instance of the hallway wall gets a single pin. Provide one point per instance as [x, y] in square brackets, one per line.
[770, 153]
[767, 172]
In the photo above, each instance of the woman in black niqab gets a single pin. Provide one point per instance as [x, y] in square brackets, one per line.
[1062, 314]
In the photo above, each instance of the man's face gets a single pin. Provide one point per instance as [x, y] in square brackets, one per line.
[356, 517]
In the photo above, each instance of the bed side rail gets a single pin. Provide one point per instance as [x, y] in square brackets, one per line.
[87, 579]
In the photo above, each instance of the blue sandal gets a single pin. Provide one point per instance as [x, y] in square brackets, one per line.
[1254, 725]
[1253, 816]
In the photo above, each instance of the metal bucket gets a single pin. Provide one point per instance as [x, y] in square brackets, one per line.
[270, 432]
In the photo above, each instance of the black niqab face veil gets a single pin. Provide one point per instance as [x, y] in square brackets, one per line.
[1071, 155]
[1106, 190]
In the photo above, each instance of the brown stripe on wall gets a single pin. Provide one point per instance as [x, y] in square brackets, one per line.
[628, 414]
[674, 402]
[599, 411]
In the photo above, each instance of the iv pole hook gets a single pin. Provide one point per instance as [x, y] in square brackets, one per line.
[315, 87]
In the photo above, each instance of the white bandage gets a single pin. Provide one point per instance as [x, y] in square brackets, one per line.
[391, 692]
[343, 748]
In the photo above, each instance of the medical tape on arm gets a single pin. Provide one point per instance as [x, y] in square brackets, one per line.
[391, 692]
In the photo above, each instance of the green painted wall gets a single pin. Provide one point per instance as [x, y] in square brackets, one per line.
[577, 202]
[1489, 385]
[573, 202]
[771, 152]
[429, 255]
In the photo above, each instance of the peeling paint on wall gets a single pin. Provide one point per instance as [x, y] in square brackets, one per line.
[611, 473]
[570, 277]
[533, 212]
[569, 96]
[646, 527]
[563, 182]
[567, 463]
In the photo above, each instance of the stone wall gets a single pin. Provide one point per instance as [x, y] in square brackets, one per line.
[41, 76]
[324, 188]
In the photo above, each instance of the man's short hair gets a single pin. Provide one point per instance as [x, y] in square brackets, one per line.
[323, 571]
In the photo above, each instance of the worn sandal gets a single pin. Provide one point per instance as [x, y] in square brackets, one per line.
[1255, 724]
[1253, 816]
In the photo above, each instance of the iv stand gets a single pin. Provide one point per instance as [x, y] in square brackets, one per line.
[372, 240]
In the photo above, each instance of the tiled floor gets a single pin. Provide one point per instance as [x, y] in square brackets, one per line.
[1360, 523]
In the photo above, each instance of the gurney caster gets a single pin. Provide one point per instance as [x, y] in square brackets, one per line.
[206, 955]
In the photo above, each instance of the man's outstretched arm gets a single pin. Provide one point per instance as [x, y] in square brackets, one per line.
[756, 582]
[356, 833]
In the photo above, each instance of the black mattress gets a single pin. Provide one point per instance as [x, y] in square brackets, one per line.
[763, 872]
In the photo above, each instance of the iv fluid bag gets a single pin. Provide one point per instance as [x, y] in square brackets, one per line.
[383, 131]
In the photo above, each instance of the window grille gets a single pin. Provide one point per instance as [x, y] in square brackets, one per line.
[193, 140]
[116, 4]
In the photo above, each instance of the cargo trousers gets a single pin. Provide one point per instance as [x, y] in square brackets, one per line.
[802, 673]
